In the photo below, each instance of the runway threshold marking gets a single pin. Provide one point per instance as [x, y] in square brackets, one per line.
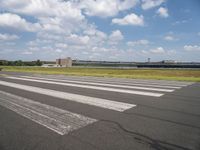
[116, 82]
[58, 120]
[144, 93]
[104, 84]
[133, 81]
[98, 102]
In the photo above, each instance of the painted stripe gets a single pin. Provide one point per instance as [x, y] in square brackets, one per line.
[110, 82]
[155, 82]
[130, 81]
[93, 87]
[100, 84]
[98, 102]
[58, 120]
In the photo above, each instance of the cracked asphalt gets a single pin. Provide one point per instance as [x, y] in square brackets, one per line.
[169, 122]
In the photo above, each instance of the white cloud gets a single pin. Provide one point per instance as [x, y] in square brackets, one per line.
[158, 50]
[48, 36]
[59, 50]
[163, 12]
[53, 15]
[106, 8]
[62, 28]
[180, 22]
[8, 37]
[15, 21]
[115, 37]
[191, 48]
[32, 43]
[131, 19]
[69, 9]
[75, 39]
[27, 53]
[138, 43]
[96, 37]
[61, 45]
[43, 8]
[148, 4]
[94, 32]
[170, 38]
[34, 48]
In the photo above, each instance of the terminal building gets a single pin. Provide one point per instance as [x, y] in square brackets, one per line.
[66, 62]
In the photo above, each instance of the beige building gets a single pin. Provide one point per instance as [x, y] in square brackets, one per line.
[66, 62]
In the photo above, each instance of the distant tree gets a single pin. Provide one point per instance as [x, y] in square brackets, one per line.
[29, 63]
[3, 63]
[38, 63]
[10, 63]
[18, 63]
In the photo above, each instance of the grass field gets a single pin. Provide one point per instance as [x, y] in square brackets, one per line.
[160, 74]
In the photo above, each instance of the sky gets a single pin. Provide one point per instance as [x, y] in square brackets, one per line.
[105, 30]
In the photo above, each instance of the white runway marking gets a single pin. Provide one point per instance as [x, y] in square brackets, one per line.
[103, 103]
[94, 87]
[133, 81]
[111, 82]
[58, 120]
[101, 84]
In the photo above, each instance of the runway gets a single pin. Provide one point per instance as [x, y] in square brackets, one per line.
[57, 112]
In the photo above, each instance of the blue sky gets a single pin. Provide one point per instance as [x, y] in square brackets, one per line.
[113, 30]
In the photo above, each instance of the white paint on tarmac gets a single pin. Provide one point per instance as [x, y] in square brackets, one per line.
[98, 102]
[139, 81]
[108, 82]
[58, 120]
[144, 93]
[101, 84]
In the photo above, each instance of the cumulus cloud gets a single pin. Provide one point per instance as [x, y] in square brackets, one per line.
[43, 8]
[115, 37]
[75, 39]
[53, 15]
[158, 50]
[69, 9]
[106, 8]
[61, 45]
[61, 28]
[170, 38]
[138, 43]
[8, 37]
[148, 4]
[27, 53]
[163, 12]
[191, 48]
[59, 50]
[15, 21]
[131, 19]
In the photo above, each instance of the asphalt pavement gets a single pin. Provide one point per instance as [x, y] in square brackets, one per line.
[56, 112]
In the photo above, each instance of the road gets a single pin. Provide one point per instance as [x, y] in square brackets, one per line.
[55, 112]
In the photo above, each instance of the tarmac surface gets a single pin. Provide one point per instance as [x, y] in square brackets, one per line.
[55, 112]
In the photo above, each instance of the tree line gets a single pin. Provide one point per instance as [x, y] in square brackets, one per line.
[20, 63]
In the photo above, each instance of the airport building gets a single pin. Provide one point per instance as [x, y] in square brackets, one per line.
[66, 62]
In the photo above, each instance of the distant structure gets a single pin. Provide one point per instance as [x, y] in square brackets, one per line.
[149, 60]
[66, 62]
[169, 61]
